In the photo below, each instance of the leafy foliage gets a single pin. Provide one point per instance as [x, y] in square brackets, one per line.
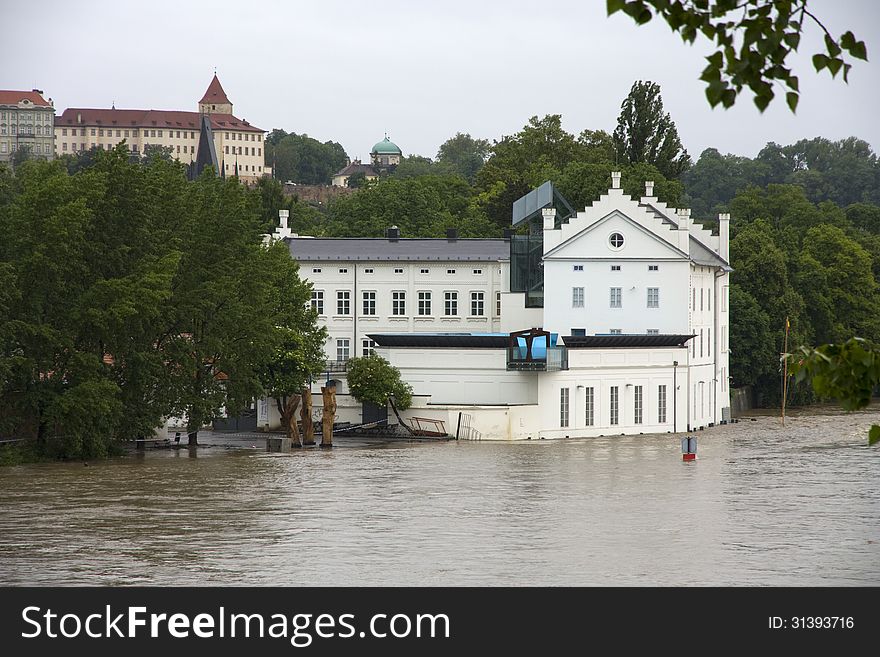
[848, 371]
[302, 159]
[645, 133]
[374, 380]
[752, 38]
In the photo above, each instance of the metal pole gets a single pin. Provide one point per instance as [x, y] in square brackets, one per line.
[458, 428]
[674, 397]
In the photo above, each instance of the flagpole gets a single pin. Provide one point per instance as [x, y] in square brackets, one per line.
[785, 370]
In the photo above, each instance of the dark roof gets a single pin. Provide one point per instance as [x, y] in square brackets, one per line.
[624, 341]
[170, 119]
[356, 167]
[380, 248]
[215, 93]
[451, 340]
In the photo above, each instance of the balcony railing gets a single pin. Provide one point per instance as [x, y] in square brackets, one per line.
[548, 360]
[337, 366]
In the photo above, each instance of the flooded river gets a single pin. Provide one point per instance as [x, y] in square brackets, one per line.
[762, 505]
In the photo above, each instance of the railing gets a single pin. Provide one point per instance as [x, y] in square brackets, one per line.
[553, 360]
[337, 366]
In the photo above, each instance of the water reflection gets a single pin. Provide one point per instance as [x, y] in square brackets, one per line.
[762, 505]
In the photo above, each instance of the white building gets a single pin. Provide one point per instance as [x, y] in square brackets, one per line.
[630, 294]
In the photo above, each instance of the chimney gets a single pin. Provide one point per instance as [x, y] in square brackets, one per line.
[452, 234]
[37, 91]
[615, 180]
[724, 236]
[549, 215]
[79, 117]
[393, 233]
[283, 229]
[684, 229]
[649, 188]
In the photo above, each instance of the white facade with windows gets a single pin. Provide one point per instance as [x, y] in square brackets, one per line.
[636, 293]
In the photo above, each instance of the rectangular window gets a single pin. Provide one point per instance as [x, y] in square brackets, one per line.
[477, 272]
[709, 299]
[723, 379]
[424, 271]
[316, 270]
[724, 338]
[653, 268]
[563, 407]
[498, 304]
[614, 410]
[701, 298]
[709, 342]
[577, 297]
[369, 303]
[343, 270]
[64, 146]
[100, 132]
[616, 332]
[578, 267]
[343, 349]
[616, 297]
[615, 267]
[63, 132]
[701, 343]
[398, 270]
[653, 297]
[450, 271]
[318, 301]
[694, 302]
[637, 405]
[424, 303]
[450, 304]
[398, 303]
[653, 332]
[590, 416]
[343, 302]
[578, 331]
[661, 404]
[477, 304]
[369, 346]
[368, 270]
[724, 299]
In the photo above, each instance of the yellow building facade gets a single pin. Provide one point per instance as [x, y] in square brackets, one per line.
[238, 144]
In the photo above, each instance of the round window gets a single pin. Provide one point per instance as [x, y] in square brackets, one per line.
[616, 240]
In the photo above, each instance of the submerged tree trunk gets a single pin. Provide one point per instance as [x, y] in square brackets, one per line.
[400, 419]
[308, 432]
[329, 397]
[289, 420]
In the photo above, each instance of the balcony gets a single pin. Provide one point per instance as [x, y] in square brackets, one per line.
[334, 366]
[528, 351]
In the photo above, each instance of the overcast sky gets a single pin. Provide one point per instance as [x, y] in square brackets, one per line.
[421, 70]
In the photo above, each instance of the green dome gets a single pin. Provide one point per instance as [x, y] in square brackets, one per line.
[387, 147]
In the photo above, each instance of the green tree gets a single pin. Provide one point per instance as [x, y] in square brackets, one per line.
[156, 151]
[645, 133]
[298, 349]
[848, 371]
[374, 380]
[414, 166]
[356, 180]
[464, 155]
[752, 41]
[302, 159]
[753, 358]
[21, 155]
[221, 322]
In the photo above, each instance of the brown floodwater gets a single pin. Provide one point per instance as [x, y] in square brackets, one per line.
[762, 505]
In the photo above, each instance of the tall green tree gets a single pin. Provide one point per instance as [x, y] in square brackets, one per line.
[298, 342]
[302, 159]
[464, 155]
[645, 133]
[220, 334]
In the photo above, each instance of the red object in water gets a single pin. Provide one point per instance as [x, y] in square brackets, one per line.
[688, 457]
